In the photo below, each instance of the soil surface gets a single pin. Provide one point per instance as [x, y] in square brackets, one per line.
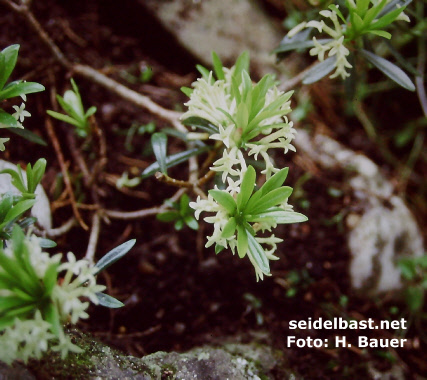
[178, 294]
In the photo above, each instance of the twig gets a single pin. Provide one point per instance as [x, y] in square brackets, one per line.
[93, 239]
[295, 81]
[67, 182]
[142, 213]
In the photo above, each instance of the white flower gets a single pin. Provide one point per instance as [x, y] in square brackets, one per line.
[20, 113]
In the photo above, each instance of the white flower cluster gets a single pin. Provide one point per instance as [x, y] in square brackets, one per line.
[30, 337]
[213, 101]
[335, 47]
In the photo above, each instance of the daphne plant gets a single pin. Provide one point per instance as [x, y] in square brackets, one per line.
[346, 38]
[243, 119]
[39, 295]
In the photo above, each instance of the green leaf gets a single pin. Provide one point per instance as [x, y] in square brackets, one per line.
[218, 67]
[246, 188]
[394, 72]
[191, 222]
[28, 135]
[168, 216]
[258, 255]
[65, 118]
[320, 70]
[37, 174]
[393, 5]
[387, 19]
[242, 63]
[21, 207]
[225, 200]
[362, 7]
[334, 8]
[271, 199]
[229, 228]
[21, 89]
[7, 121]
[108, 301]
[373, 12]
[50, 314]
[381, 33]
[275, 181]
[204, 71]
[114, 255]
[9, 56]
[280, 216]
[242, 241]
[173, 160]
[203, 124]
[187, 91]
[46, 243]
[17, 180]
[159, 142]
[50, 278]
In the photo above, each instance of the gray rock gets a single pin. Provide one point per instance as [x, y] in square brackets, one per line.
[383, 231]
[227, 27]
[233, 361]
[41, 209]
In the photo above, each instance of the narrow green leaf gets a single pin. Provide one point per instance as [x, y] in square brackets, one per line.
[16, 179]
[246, 188]
[203, 124]
[258, 255]
[218, 67]
[50, 278]
[394, 72]
[9, 56]
[15, 212]
[225, 200]
[187, 91]
[65, 118]
[280, 217]
[271, 199]
[173, 160]
[204, 71]
[373, 12]
[392, 5]
[381, 33]
[108, 301]
[334, 8]
[320, 70]
[191, 222]
[229, 228]
[168, 216]
[159, 142]
[50, 314]
[275, 181]
[7, 121]
[242, 241]
[21, 89]
[112, 256]
[28, 135]
[362, 7]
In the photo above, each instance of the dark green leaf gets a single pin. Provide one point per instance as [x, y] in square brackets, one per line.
[15, 212]
[414, 296]
[114, 255]
[168, 216]
[191, 222]
[279, 216]
[271, 199]
[394, 72]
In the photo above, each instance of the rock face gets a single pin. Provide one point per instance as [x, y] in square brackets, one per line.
[41, 209]
[227, 27]
[230, 361]
[384, 231]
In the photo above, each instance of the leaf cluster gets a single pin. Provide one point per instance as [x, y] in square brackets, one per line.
[72, 105]
[8, 59]
[255, 207]
[182, 214]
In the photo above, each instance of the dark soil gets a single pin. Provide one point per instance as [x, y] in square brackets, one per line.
[177, 294]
